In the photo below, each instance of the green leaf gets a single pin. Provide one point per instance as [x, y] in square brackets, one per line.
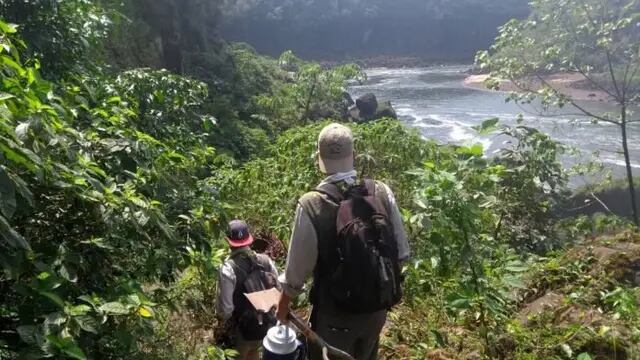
[8, 28]
[67, 346]
[487, 126]
[76, 310]
[584, 356]
[28, 334]
[474, 150]
[55, 298]
[98, 242]
[14, 65]
[5, 96]
[19, 155]
[75, 352]
[7, 194]
[115, 308]
[68, 273]
[11, 236]
[87, 323]
[514, 282]
[460, 304]
[516, 266]
[439, 338]
[55, 318]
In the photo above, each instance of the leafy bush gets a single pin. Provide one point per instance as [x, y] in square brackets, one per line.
[81, 222]
[264, 191]
[313, 93]
[464, 238]
[64, 35]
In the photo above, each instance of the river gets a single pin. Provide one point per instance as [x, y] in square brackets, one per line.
[435, 101]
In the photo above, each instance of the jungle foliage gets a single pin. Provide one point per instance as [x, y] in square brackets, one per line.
[117, 177]
[598, 40]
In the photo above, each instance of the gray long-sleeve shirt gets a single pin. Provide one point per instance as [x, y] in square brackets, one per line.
[227, 285]
[303, 247]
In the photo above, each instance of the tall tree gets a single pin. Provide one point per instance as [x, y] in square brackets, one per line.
[597, 39]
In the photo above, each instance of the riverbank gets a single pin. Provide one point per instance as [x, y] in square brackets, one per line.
[572, 85]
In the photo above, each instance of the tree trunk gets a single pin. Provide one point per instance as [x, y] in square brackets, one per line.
[625, 148]
[307, 106]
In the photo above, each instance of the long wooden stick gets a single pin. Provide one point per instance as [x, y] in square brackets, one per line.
[327, 349]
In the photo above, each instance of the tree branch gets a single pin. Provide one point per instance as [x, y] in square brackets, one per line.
[625, 85]
[574, 104]
[597, 84]
[613, 77]
[588, 113]
[601, 202]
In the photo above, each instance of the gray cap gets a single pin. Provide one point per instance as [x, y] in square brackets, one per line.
[335, 149]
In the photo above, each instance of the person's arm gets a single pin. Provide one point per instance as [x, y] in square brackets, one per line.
[273, 268]
[399, 232]
[226, 287]
[301, 261]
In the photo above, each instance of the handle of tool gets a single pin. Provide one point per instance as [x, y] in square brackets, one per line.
[313, 337]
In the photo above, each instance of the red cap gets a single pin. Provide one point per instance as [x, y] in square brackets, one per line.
[238, 234]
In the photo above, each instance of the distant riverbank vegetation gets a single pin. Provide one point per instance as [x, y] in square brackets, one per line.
[356, 29]
[130, 133]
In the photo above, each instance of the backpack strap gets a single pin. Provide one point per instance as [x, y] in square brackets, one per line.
[262, 261]
[370, 185]
[242, 271]
[332, 191]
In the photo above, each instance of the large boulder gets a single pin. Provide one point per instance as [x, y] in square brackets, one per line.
[367, 104]
[368, 108]
[385, 109]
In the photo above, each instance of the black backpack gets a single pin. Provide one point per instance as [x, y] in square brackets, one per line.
[252, 274]
[367, 276]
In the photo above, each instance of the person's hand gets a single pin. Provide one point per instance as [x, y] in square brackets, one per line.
[282, 311]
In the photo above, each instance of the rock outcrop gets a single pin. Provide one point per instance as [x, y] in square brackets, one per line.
[367, 108]
[367, 104]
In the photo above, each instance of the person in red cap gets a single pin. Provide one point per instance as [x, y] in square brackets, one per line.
[244, 271]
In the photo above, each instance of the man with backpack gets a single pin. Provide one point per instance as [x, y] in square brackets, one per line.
[242, 273]
[348, 234]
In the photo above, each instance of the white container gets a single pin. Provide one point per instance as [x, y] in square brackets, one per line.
[281, 340]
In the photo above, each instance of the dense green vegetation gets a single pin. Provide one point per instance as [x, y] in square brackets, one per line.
[117, 177]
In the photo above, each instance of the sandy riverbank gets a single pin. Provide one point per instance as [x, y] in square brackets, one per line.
[572, 85]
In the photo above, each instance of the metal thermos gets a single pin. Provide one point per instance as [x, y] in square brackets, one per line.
[281, 343]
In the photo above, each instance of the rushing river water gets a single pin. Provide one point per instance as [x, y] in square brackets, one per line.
[435, 101]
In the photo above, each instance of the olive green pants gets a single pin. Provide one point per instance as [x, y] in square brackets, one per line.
[247, 349]
[357, 334]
